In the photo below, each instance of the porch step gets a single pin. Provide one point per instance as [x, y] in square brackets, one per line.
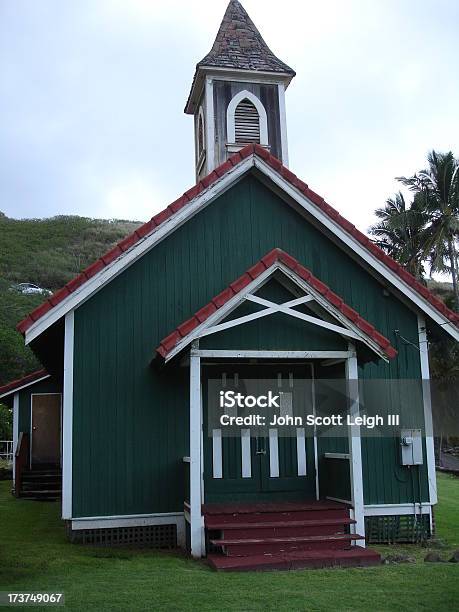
[273, 507]
[280, 528]
[212, 523]
[49, 484]
[274, 512]
[282, 536]
[43, 483]
[353, 557]
[41, 494]
[36, 474]
[254, 546]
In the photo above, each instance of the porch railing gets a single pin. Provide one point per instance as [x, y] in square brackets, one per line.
[22, 460]
[6, 451]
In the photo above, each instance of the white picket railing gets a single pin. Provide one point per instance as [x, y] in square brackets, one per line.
[6, 451]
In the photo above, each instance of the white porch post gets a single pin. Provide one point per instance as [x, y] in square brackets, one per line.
[15, 431]
[427, 401]
[196, 524]
[67, 418]
[355, 450]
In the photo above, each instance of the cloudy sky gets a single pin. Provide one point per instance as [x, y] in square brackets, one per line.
[92, 95]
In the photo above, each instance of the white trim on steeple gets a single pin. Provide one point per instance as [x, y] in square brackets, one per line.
[283, 123]
[209, 125]
[230, 114]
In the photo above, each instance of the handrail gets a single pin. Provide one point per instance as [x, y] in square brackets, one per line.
[22, 460]
[6, 450]
[337, 455]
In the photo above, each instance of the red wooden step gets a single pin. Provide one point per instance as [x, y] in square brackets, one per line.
[216, 523]
[239, 530]
[268, 507]
[253, 546]
[298, 515]
[353, 557]
[283, 531]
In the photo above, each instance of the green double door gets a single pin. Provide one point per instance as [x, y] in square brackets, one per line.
[249, 463]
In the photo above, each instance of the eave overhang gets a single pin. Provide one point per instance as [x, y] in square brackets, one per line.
[202, 72]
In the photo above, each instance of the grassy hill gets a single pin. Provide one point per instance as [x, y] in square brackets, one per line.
[47, 252]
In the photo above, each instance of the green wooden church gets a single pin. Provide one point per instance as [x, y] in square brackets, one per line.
[248, 275]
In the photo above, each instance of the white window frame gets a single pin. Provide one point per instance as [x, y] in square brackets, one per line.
[230, 117]
[200, 153]
[200, 119]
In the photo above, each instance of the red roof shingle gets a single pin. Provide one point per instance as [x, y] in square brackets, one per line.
[20, 382]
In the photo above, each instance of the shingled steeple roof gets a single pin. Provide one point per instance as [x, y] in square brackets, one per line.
[239, 45]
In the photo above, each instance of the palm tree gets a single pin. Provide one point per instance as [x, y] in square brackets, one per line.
[437, 190]
[399, 232]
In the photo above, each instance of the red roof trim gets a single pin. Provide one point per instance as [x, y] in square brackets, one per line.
[148, 227]
[25, 380]
[183, 330]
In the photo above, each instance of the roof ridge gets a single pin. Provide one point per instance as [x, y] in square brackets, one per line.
[157, 220]
[275, 255]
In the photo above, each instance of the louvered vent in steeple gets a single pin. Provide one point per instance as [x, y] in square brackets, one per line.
[246, 123]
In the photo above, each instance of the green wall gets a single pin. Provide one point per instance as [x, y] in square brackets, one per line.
[131, 418]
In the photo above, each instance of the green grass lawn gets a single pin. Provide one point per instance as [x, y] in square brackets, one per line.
[35, 556]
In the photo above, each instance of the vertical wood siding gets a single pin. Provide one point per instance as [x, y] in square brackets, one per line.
[131, 418]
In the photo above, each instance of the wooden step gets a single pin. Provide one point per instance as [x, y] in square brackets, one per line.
[47, 489]
[253, 546]
[272, 507]
[55, 491]
[356, 556]
[271, 529]
[41, 498]
[34, 475]
[298, 515]
[212, 523]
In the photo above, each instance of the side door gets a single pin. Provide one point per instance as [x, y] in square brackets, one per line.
[46, 428]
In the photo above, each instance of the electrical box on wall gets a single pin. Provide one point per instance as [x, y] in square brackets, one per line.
[411, 446]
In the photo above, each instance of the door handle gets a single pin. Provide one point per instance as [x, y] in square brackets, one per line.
[260, 450]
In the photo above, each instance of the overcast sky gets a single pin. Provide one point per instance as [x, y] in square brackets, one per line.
[92, 95]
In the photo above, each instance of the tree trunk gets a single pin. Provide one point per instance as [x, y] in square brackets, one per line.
[453, 260]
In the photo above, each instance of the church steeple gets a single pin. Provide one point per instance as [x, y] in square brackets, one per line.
[238, 94]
